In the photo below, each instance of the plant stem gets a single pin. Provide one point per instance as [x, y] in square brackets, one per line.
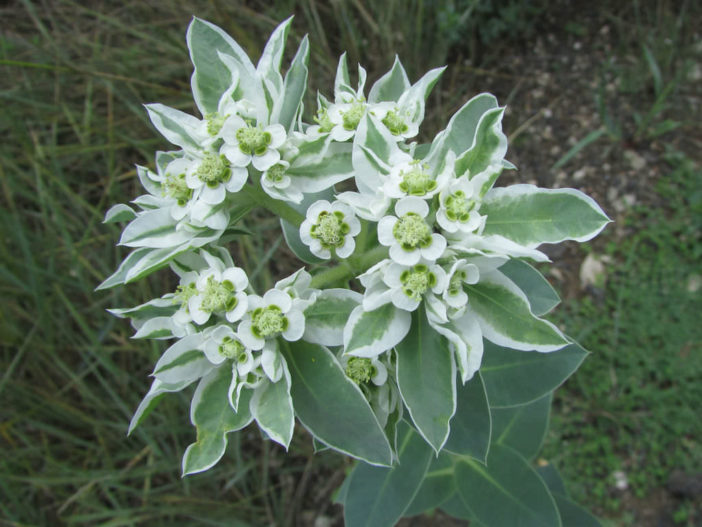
[344, 270]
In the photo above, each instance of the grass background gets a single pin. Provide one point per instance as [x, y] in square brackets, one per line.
[73, 77]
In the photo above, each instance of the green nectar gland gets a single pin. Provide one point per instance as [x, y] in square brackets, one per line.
[232, 349]
[323, 120]
[411, 231]
[458, 207]
[395, 123]
[214, 170]
[360, 370]
[353, 115]
[253, 140]
[268, 321]
[215, 122]
[456, 283]
[218, 296]
[183, 293]
[330, 229]
[417, 280]
[416, 181]
[177, 188]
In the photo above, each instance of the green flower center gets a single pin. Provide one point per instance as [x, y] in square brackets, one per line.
[253, 140]
[214, 170]
[353, 115]
[360, 369]
[218, 296]
[276, 173]
[330, 229]
[268, 321]
[214, 123]
[456, 283]
[232, 349]
[416, 280]
[416, 182]
[323, 120]
[176, 187]
[458, 207]
[412, 231]
[395, 123]
[183, 293]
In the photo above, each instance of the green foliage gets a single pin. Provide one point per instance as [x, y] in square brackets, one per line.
[640, 415]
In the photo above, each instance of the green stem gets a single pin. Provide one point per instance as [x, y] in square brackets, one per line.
[277, 207]
[345, 271]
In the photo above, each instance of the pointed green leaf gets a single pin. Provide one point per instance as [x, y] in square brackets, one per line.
[471, 424]
[178, 127]
[155, 229]
[268, 66]
[272, 407]
[573, 514]
[370, 333]
[522, 427]
[294, 86]
[542, 296]
[390, 86]
[549, 473]
[530, 216]
[326, 318]
[514, 377]
[119, 213]
[505, 492]
[378, 496]
[505, 318]
[214, 418]
[331, 406]
[426, 377]
[151, 399]
[183, 361]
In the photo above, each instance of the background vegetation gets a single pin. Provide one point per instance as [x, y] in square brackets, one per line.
[603, 97]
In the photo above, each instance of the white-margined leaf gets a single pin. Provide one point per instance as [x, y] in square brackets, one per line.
[152, 398]
[119, 213]
[540, 293]
[183, 361]
[390, 86]
[370, 333]
[155, 229]
[178, 127]
[471, 425]
[523, 427]
[326, 318]
[272, 407]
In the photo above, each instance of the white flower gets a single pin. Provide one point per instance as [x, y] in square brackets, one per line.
[458, 208]
[276, 314]
[461, 272]
[277, 184]
[223, 343]
[330, 227]
[408, 235]
[212, 175]
[297, 286]
[256, 145]
[414, 178]
[396, 119]
[219, 291]
[344, 118]
[409, 285]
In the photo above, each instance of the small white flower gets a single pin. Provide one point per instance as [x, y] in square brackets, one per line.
[461, 272]
[458, 209]
[397, 120]
[219, 292]
[256, 145]
[223, 344]
[345, 118]
[276, 314]
[211, 176]
[409, 285]
[330, 227]
[277, 184]
[408, 235]
[412, 178]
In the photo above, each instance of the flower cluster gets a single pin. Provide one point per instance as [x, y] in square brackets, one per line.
[436, 249]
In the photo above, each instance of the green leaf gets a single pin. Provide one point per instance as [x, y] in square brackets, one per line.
[530, 216]
[214, 418]
[522, 428]
[331, 406]
[154, 229]
[505, 492]
[455, 507]
[541, 295]
[155, 328]
[549, 473]
[212, 77]
[378, 496]
[272, 407]
[370, 333]
[471, 424]
[437, 487]
[573, 514]
[514, 377]
[390, 86]
[183, 361]
[294, 86]
[151, 399]
[426, 377]
[334, 167]
[326, 318]
[119, 213]
[178, 127]
[505, 317]
[268, 66]
[158, 307]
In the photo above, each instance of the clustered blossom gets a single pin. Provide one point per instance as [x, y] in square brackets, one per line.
[412, 228]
